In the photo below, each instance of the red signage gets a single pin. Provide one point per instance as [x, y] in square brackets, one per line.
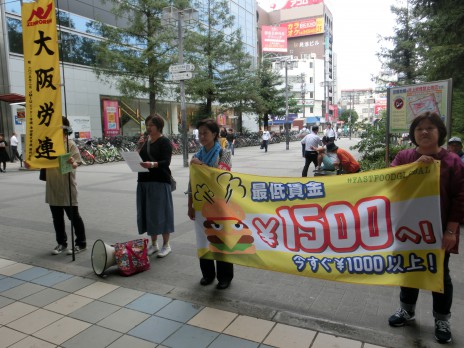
[380, 104]
[274, 5]
[305, 27]
[273, 39]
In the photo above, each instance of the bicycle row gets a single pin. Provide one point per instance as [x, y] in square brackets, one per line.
[104, 150]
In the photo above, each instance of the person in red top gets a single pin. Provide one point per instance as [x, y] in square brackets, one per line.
[348, 163]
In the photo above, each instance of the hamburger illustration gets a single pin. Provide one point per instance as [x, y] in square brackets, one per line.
[225, 229]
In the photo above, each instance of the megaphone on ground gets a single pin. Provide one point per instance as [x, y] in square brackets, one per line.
[102, 257]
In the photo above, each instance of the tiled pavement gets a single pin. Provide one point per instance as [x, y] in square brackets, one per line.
[45, 308]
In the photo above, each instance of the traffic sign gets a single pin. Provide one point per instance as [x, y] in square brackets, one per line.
[181, 76]
[181, 68]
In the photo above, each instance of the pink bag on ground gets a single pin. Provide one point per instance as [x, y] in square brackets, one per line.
[131, 257]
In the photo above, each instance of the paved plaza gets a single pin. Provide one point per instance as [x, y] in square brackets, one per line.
[53, 301]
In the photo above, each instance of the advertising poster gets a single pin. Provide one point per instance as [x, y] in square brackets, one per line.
[407, 102]
[386, 231]
[81, 126]
[110, 118]
[305, 27]
[273, 39]
[44, 132]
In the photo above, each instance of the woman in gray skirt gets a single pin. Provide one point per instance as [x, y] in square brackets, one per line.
[155, 211]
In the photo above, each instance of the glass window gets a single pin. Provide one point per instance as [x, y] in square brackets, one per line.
[15, 35]
[13, 7]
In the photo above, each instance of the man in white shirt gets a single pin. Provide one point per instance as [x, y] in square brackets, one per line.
[14, 147]
[265, 137]
[311, 142]
[196, 136]
[330, 133]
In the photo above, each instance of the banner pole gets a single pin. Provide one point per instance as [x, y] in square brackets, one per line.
[63, 85]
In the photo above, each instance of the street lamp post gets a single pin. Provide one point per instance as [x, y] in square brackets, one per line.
[182, 19]
[286, 60]
[351, 108]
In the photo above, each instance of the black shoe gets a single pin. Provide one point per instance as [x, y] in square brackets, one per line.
[443, 331]
[401, 317]
[223, 285]
[206, 281]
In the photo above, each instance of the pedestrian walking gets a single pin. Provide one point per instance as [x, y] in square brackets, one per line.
[14, 147]
[266, 136]
[3, 153]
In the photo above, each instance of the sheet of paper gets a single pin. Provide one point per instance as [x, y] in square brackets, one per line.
[133, 160]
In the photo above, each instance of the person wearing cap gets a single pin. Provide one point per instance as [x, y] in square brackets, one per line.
[347, 161]
[455, 146]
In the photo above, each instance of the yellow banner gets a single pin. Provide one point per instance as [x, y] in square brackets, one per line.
[44, 133]
[381, 227]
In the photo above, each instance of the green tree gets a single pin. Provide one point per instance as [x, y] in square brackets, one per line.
[210, 49]
[372, 146]
[428, 46]
[270, 99]
[440, 32]
[349, 116]
[239, 81]
[136, 56]
[405, 57]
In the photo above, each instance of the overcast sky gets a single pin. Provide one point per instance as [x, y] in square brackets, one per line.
[357, 24]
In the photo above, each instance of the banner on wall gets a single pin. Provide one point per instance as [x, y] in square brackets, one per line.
[110, 118]
[386, 231]
[44, 132]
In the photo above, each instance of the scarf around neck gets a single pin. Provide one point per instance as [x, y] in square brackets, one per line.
[209, 157]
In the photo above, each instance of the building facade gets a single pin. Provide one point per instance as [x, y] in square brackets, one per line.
[84, 95]
[309, 43]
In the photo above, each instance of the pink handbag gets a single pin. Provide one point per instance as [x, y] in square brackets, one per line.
[131, 257]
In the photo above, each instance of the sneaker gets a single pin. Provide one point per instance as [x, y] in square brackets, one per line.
[443, 331]
[77, 249]
[153, 248]
[59, 249]
[165, 251]
[401, 317]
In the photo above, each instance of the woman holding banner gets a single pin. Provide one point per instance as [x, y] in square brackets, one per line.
[211, 154]
[428, 132]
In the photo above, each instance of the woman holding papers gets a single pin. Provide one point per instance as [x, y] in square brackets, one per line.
[155, 210]
[57, 195]
[211, 154]
[428, 132]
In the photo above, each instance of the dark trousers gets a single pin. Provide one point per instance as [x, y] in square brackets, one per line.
[231, 147]
[58, 223]
[264, 145]
[441, 302]
[225, 270]
[310, 157]
[15, 154]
